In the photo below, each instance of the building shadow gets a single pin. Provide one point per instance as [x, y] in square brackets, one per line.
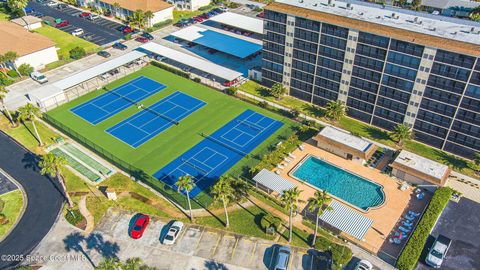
[213, 265]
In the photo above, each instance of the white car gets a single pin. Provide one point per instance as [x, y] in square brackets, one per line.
[93, 17]
[173, 233]
[364, 265]
[38, 77]
[51, 3]
[438, 251]
[77, 32]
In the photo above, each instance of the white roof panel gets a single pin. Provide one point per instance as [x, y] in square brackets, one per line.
[273, 181]
[44, 92]
[421, 164]
[192, 61]
[240, 21]
[95, 71]
[347, 220]
[345, 138]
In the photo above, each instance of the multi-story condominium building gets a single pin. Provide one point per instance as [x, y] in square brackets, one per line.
[388, 65]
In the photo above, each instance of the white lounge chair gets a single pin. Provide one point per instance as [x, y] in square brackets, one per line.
[280, 166]
[291, 155]
[287, 160]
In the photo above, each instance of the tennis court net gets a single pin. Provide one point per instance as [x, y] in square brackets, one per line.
[224, 144]
[194, 166]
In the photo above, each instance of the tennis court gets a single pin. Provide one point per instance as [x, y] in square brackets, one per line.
[218, 152]
[155, 119]
[116, 100]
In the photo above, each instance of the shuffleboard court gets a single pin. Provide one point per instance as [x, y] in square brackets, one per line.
[116, 100]
[218, 152]
[155, 119]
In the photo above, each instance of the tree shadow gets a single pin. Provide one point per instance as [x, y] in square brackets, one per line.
[164, 230]
[452, 161]
[73, 242]
[30, 131]
[106, 249]
[375, 133]
[213, 265]
[30, 161]
[313, 110]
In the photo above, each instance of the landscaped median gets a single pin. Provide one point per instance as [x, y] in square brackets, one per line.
[413, 249]
[11, 204]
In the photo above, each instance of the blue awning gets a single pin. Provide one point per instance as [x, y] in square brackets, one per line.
[347, 220]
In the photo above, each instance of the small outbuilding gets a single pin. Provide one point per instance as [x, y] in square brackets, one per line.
[28, 22]
[419, 170]
[344, 144]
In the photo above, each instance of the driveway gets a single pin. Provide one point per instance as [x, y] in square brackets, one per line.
[196, 248]
[460, 222]
[44, 201]
[100, 31]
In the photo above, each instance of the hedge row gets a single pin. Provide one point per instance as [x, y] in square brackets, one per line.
[171, 69]
[341, 254]
[412, 251]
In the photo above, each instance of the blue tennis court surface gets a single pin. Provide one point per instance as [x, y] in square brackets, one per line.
[102, 107]
[218, 41]
[217, 153]
[153, 120]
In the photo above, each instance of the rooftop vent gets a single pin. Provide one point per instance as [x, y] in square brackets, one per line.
[417, 20]
[454, 33]
[474, 31]
[315, 4]
[433, 29]
[394, 15]
[349, 6]
[301, 1]
[330, 3]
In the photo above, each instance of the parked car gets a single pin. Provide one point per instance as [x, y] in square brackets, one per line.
[61, 6]
[104, 54]
[141, 223]
[120, 46]
[38, 77]
[261, 15]
[437, 252]
[147, 35]
[84, 14]
[37, 14]
[173, 233]
[51, 4]
[363, 265]
[198, 19]
[219, 10]
[77, 32]
[142, 39]
[283, 258]
[93, 17]
[127, 30]
[41, 1]
[28, 10]
[62, 24]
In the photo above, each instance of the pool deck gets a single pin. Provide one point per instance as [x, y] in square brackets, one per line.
[385, 217]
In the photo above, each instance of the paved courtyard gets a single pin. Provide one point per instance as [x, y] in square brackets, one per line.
[196, 247]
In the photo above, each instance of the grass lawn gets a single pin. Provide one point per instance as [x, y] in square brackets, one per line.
[168, 145]
[13, 205]
[65, 42]
[243, 221]
[365, 130]
[185, 14]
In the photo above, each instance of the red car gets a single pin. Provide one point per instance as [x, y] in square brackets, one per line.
[84, 15]
[198, 19]
[142, 39]
[261, 15]
[140, 225]
[127, 30]
[62, 24]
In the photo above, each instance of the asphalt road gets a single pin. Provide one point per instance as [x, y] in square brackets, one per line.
[99, 33]
[44, 201]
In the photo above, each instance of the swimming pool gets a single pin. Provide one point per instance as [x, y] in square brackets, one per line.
[346, 186]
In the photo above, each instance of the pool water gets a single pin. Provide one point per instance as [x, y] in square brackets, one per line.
[344, 185]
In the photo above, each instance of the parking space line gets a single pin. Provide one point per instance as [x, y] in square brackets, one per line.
[234, 247]
[216, 245]
[253, 250]
[199, 240]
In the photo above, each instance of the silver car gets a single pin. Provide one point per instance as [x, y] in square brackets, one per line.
[438, 251]
[283, 258]
[173, 233]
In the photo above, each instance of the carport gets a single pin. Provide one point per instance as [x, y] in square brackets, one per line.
[272, 182]
[240, 21]
[191, 61]
[56, 93]
[347, 220]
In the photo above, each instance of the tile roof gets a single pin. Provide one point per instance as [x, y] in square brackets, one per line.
[145, 5]
[20, 40]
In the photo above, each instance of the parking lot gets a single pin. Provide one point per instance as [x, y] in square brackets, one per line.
[100, 31]
[459, 222]
[195, 248]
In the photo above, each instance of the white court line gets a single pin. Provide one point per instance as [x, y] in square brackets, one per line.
[242, 132]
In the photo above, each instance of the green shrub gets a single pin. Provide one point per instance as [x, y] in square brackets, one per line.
[231, 91]
[206, 8]
[412, 251]
[74, 217]
[4, 80]
[197, 80]
[262, 104]
[127, 36]
[170, 69]
[268, 220]
[341, 254]
[77, 53]
[25, 69]
[3, 219]
[12, 73]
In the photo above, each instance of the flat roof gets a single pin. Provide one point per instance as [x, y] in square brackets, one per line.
[23, 21]
[215, 39]
[367, 17]
[240, 21]
[345, 138]
[444, 4]
[421, 164]
[145, 5]
[194, 62]
[347, 220]
[273, 181]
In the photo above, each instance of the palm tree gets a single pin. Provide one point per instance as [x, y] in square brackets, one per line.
[17, 5]
[52, 165]
[137, 20]
[223, 191]
[3, 93]
[116, 6]
[11, 57]
[401, 133]
[278, 90]
[3, 65]
[148, 17]
[186, 184]
[290, 199]
[476, 160]
[109, 263]
[316, 203]
[335, 110]
[29, 113]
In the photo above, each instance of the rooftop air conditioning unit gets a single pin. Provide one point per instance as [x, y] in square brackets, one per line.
[394, 16]
[474, 31]
[349, 6]
[315, 4]
[330, 3]
[417, 20]
[433, 29]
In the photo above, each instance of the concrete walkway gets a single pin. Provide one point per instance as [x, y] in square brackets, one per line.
[82, 207]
